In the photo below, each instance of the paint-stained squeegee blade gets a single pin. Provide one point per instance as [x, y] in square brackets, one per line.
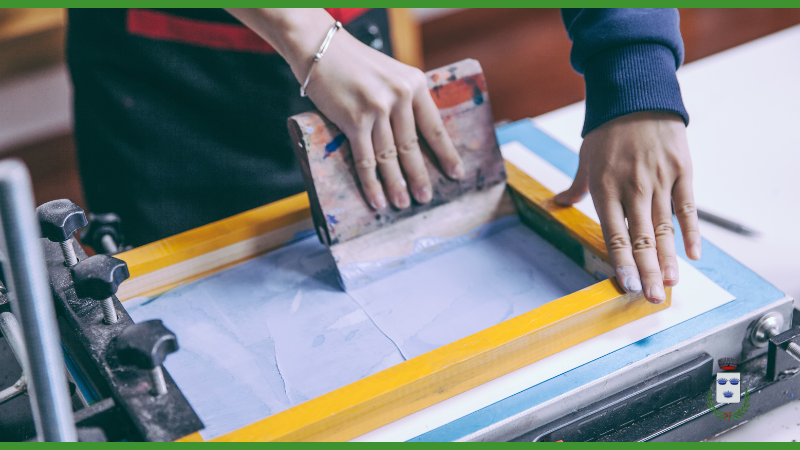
[367, 244]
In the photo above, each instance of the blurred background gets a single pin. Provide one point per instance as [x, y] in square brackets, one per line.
[524, 53]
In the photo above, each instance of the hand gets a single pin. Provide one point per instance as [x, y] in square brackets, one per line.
[376, 101]
[637, 166]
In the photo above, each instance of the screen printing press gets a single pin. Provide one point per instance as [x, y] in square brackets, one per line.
[241, 329]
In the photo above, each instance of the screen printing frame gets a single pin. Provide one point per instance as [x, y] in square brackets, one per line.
[721, 332]
[408, 387]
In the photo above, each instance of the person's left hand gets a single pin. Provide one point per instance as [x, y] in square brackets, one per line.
[637, 166]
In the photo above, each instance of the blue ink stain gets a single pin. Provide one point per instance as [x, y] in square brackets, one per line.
[600, 276]
[300, 235]
[334, 145]
[350, 335]
[331, 219]
[477, 95]
[318, 341]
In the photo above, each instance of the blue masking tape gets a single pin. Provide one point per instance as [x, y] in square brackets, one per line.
[541, 143]
[751, 291]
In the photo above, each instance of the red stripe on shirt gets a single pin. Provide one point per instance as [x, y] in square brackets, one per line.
[222, 36]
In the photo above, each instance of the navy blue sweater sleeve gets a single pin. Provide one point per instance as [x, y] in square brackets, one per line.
[628, 58]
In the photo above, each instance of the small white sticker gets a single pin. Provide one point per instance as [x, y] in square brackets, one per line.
[728, 387]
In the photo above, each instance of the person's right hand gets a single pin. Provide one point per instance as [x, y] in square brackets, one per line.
[637, 166]
[376, 101]
[379, 103]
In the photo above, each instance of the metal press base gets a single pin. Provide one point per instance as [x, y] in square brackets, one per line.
[671, 408]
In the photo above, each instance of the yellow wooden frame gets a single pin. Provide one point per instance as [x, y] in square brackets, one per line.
[420, 382]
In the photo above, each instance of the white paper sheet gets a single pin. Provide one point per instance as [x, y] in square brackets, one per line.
[277, 330]
[469, 289]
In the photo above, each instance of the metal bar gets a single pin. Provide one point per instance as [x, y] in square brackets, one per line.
[13, 391]
[13, 334]
[32, 304]
[9, 327]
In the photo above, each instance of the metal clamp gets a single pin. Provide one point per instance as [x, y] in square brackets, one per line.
[769, 326]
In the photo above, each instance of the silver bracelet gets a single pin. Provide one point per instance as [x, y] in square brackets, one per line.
[319, 54]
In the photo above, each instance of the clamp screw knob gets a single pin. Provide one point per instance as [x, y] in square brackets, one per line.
[98, 277]
[145, 345]
[59, 220]
[104, 233]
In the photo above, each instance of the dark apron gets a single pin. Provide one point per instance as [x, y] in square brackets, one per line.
[176, 129]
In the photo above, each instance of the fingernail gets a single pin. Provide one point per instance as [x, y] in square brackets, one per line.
[670, 274]
[695, 252]
[380, 201]
[402, 201]
[563, 199]
[630, 277]
[657, 294]
[458, 172]
[423, 195]
[559, 199]
[633, 284]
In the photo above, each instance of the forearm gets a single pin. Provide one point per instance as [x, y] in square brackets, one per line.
[379, 104]
[295, 33]
[628, 58]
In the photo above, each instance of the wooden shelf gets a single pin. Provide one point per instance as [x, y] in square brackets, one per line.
[30, 39]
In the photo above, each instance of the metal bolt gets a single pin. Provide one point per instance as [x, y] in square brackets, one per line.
[158, 386]
[109, 312]
[70, 259]
[794, 350]
[109, 245]
[768, 326]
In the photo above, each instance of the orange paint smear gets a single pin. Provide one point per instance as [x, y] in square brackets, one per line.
[459, 91]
